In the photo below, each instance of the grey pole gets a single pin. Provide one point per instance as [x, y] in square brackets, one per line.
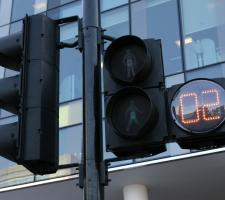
[91, 90]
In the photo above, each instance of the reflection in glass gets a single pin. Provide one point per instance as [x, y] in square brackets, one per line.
[70, 74]
[39, 6]
[55, 3]
[5, 11]
[175, 79]
[106, 4]
[15, 175]
[5, 113]
[4, 31]
[70, 145]
[2, 70]
[70, 59]
[69, 31]
[217, 71]
[70, 113]
[12, 174]
[16, 27]
[159, 20]
[66, 11]
[204, 24]
[116, 22]
[29, 7]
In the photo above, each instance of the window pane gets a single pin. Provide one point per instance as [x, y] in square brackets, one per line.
[2, 70]
[55, 3]
[70, 59]
[9, 73]
[14, 175]
[4, 31]
[116, 22]
[204, 29]
[159, 20]
[70, 74]
[66, 11]
[16, 27]
[5, 113]
[29, 7]
[209, 72]
[173, 80]
[69, 31]
[106, 4]
[70, 145]
[70, 113]
[8, 120]
[5, 11]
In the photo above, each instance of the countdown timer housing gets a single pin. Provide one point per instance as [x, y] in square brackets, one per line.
[198, 106]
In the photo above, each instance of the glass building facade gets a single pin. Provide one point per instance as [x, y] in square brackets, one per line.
[192, 34]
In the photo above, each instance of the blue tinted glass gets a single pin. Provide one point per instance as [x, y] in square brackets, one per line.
[70, 59]
[9, 73]
[70, 144]
[217, 71]
[5, 113]
[9, 119]
[174, 80]
[5, 12]
[12, 174]
[159, 20]
[107, 4]
[29, 7]
[66, 11]
[4, 31]
[16, 27]
[116, 22]
[204, 30]
[70, 74]
[55, 3]
[5, 163]
[2, 70]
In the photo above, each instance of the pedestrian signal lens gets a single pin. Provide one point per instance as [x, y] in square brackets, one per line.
[128, 60]
[198, 106]
[131, 113]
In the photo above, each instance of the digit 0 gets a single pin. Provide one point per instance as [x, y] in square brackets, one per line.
[206, 107]
[182, 102]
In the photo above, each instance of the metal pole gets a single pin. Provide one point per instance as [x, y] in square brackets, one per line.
[92, 93]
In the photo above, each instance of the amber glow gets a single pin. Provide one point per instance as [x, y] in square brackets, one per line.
[206, 107]
[189, 121]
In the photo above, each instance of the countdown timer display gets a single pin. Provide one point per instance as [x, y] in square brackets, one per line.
[199, 106]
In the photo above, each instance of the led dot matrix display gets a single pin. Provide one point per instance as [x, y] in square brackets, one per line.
[199, 106]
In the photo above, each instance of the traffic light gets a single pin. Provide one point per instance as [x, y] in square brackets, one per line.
[32, 95]
[197, 113]
[134, 97]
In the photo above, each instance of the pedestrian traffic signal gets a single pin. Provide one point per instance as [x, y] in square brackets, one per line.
[197, 113]
[134, 97]
[32, 95]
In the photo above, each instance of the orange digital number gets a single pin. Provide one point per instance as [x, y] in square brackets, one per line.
[195, 99]
[207, 108]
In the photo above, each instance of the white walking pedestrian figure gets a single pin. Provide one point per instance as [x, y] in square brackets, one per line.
[129, 61]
